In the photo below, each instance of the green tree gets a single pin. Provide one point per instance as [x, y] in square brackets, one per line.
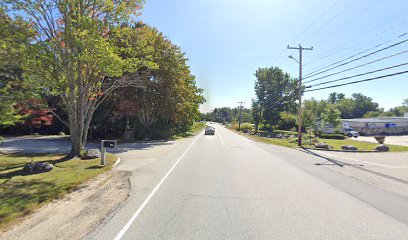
[168, 100]
[346, 107]
[362, 104]
[256, 113]
[276, 93]
[15, 36]
[74, 57]
[331, 115]
[311, 112]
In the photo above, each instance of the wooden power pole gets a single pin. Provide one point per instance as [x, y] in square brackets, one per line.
[240, 115]
[300, 90]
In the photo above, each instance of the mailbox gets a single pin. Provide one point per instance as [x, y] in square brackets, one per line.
[106, 144]
[109, 143]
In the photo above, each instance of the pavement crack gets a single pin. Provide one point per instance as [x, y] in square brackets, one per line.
[166, 225]
[227, 209]
[220, 197]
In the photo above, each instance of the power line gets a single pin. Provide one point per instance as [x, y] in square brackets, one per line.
[356, 59]
[352, 43]
[359, 81]
[358, 66]
[369, 49]
[331, 19]
[349, 21]
[315, 21]
[359, 75]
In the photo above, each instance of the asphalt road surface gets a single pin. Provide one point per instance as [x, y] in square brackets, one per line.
[228, 187]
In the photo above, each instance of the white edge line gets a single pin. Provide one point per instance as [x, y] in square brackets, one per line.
[116, 163]
[147, 200]
[222, 140]
[352, 159]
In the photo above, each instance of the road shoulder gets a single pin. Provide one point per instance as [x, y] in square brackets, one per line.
[78, 213]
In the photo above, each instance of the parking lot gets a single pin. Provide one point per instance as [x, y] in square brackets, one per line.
[394, 140]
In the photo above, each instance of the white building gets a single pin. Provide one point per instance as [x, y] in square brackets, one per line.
[378, 125]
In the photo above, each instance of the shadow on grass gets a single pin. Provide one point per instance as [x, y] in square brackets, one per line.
[17, 198]
[18, 172]
[21, 164]
[96, 167]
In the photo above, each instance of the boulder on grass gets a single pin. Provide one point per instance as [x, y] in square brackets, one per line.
[382, 148]
[380, 139]
[349, 147]
[91, 154]
[323, 145]
[37, 167]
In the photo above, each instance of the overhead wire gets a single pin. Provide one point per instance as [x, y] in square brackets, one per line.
[349, 21]
[359, 81]
[307, 28]
[359, 75]
[315, 21]
[352, 42]
[320, 71]
[358, 66]
[331, 20]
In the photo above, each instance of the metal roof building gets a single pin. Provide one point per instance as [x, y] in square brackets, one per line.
[378, 125]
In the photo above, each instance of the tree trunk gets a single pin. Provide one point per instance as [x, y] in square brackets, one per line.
[76, 146]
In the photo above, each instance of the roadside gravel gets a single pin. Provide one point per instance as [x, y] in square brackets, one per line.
[78, 213]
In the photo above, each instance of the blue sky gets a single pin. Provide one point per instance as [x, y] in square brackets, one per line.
[227, 40]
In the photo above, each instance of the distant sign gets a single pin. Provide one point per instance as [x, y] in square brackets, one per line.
[390, 125]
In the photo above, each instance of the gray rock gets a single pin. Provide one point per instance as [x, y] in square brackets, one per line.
[382, 148]
[349, 147]
[323, 145]
[61, 134]
[37, 167]
[279, 135]
[91, 154]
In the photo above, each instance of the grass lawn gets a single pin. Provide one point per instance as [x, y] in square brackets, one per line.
[20, 195]
[336, 144]
[197, 127]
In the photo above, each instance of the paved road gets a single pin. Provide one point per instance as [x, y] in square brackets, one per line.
[228, 187]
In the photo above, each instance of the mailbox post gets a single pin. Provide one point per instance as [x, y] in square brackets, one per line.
[106, 144]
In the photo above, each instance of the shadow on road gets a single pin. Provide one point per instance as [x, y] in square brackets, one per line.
[331, 160]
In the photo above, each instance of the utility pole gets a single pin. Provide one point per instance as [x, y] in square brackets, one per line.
[300, 90]
[240, 115]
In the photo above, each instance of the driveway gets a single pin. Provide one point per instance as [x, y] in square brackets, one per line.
[62, 145]
[394, 140]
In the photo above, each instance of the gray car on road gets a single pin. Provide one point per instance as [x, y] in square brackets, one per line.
[209, 130]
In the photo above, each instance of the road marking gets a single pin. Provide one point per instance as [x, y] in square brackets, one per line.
[116, 163]
[147, 200]
[222, 140]
[352, 159]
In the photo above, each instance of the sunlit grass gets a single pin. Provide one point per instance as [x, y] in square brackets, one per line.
[21, 194]
[196, 128]
[335, 143]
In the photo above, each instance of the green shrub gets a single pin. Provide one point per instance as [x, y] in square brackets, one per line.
[244, 126]
[285, 132]
[333, 136]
